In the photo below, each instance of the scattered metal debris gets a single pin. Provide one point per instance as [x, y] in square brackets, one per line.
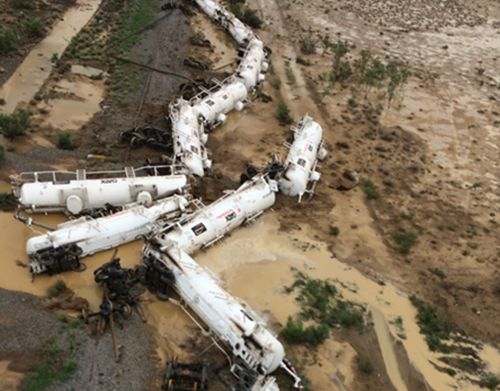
[185, 377]
[195, 63]
[155, 138]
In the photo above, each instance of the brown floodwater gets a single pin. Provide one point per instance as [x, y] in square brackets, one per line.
[82, 98]
[36, 67]
[17, 278]
[10, 379]
[256, 264]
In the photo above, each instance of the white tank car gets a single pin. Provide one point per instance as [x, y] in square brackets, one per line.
[240, 32]
[214, 221]
[79, 196]
[230, 322]
[86, 236]
[187, 133]
[304, 152]
[253, 64]
[211, 109]
[191, 120]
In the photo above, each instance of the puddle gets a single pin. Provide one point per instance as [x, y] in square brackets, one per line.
[36, 67]
[81, 101]
[256, 264]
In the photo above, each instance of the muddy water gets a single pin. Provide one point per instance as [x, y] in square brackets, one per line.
[14, 277]
[36, 67]
[172, 328]
[385, 342]
[256, 265]
[82, 98]
[10, 380]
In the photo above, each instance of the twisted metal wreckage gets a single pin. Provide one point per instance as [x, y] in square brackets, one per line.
[153, 203]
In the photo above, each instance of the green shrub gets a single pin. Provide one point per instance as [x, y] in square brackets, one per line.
[8, 40]
[491, 381]
[438, 272]
[14, 125]
[33, 27]
[321, 301]
[67, 369]
[370, 190]
[2, 153]
[283, 114]
[294, 332]
[307, 45]
[431, 325]
[65, 141]
[334, 230]
[250, 17]
[276, 83]
[404, 240]
[365, 365]
[56, 288]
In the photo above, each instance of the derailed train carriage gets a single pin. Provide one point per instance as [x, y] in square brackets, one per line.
[191, 120]
[238, 331]
[235, 328]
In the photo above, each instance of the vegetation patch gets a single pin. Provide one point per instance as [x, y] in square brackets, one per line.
[322, 304]
[56, 288]
[435, 328]
[334, 231]
[112, 43]
[8, 202]
[404, 240]
[8, 40]
[283, 114]
[33, 27]
[54, 369]
[14, 125]
[246, 14]
[370, 189]
[65, 141]
[491, 381]
[294, 332]
[364, 71]
[365, 365]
